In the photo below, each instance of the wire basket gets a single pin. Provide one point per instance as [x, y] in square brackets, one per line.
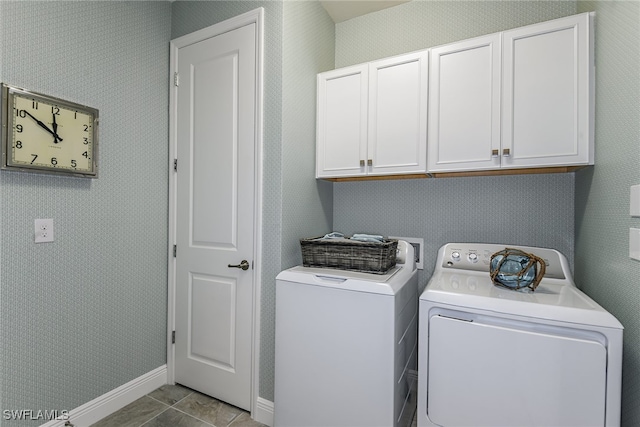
[345, 254]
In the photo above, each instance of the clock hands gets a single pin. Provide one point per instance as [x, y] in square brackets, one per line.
[56, 138]
[55, 130]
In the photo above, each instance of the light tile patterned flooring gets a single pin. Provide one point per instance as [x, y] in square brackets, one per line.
[178, 406]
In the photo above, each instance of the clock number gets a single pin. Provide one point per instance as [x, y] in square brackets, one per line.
[34, 104]
[54, 161]
[85, 141]
[55, 110]
[21, 113]
[86, 128]
[73, 164]
[75, 114]
[18, 144]
[19, 128]
[85, 154]
[35, 156]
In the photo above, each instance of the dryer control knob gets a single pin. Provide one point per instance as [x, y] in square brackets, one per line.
[455, 256]
[473, 257]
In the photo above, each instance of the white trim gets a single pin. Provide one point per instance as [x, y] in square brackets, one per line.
[114, 400]
[251, 17]
[257, 239]
[264, 412]
[171, 273]
[255, 16]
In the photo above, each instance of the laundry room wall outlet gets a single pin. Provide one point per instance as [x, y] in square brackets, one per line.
[43, 230]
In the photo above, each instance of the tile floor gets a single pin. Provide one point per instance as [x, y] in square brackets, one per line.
[178, 406]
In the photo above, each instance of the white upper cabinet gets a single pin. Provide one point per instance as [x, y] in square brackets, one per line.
[372, 118]
[464, 105]
[398, 115]
[547, 93]
[517, 99]
[341, 126]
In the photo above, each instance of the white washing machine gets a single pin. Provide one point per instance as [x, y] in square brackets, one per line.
[346, 346]
[491, 356]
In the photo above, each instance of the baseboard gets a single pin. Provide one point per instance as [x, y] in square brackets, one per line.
[100, 407]
[264, 412]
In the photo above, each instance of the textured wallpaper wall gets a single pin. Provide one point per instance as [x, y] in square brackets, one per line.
[308, 50]
[519, 210]
[603, 267]
[299, 43]
[87, 313]
[452, 209]
[420, 24]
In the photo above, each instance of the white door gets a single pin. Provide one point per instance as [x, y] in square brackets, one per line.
[216, 104]
[464, 105]
[398, 115]
[547, 106]
[341, 142]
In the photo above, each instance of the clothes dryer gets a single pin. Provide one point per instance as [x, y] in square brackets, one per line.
[492, 356]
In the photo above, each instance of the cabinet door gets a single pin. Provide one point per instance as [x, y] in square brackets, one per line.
[398, 114]
[546, 94]
[464, 105]
[341, 134]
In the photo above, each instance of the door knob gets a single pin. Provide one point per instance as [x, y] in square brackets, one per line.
[244, 265]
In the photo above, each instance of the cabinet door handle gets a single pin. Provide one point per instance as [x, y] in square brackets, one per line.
[361, 163]
[494, 153]
[370, 162]
[506, 152]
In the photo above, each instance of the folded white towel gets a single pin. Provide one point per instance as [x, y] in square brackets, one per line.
[368, 238]
[334, 235]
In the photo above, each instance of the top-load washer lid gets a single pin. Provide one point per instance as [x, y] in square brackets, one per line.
[385, 284]
[463, 281]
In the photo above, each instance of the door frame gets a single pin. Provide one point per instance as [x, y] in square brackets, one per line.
[255, 16]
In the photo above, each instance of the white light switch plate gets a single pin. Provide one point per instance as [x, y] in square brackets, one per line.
[635, 200]
[634, 243]
[43, 230]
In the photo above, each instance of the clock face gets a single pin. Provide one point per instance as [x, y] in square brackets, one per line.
[49, 134]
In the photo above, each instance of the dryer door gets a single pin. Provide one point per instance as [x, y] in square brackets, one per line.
[494, 373]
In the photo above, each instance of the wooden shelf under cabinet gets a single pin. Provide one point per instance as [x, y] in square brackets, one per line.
[499, 172]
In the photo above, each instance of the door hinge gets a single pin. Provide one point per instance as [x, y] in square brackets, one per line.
[175, 250]
[175, 165]
[173, 337]
[176, 79]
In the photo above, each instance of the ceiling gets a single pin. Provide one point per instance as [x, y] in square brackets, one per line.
[343, 10]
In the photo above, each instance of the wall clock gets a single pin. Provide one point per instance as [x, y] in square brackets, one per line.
[41, 133]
